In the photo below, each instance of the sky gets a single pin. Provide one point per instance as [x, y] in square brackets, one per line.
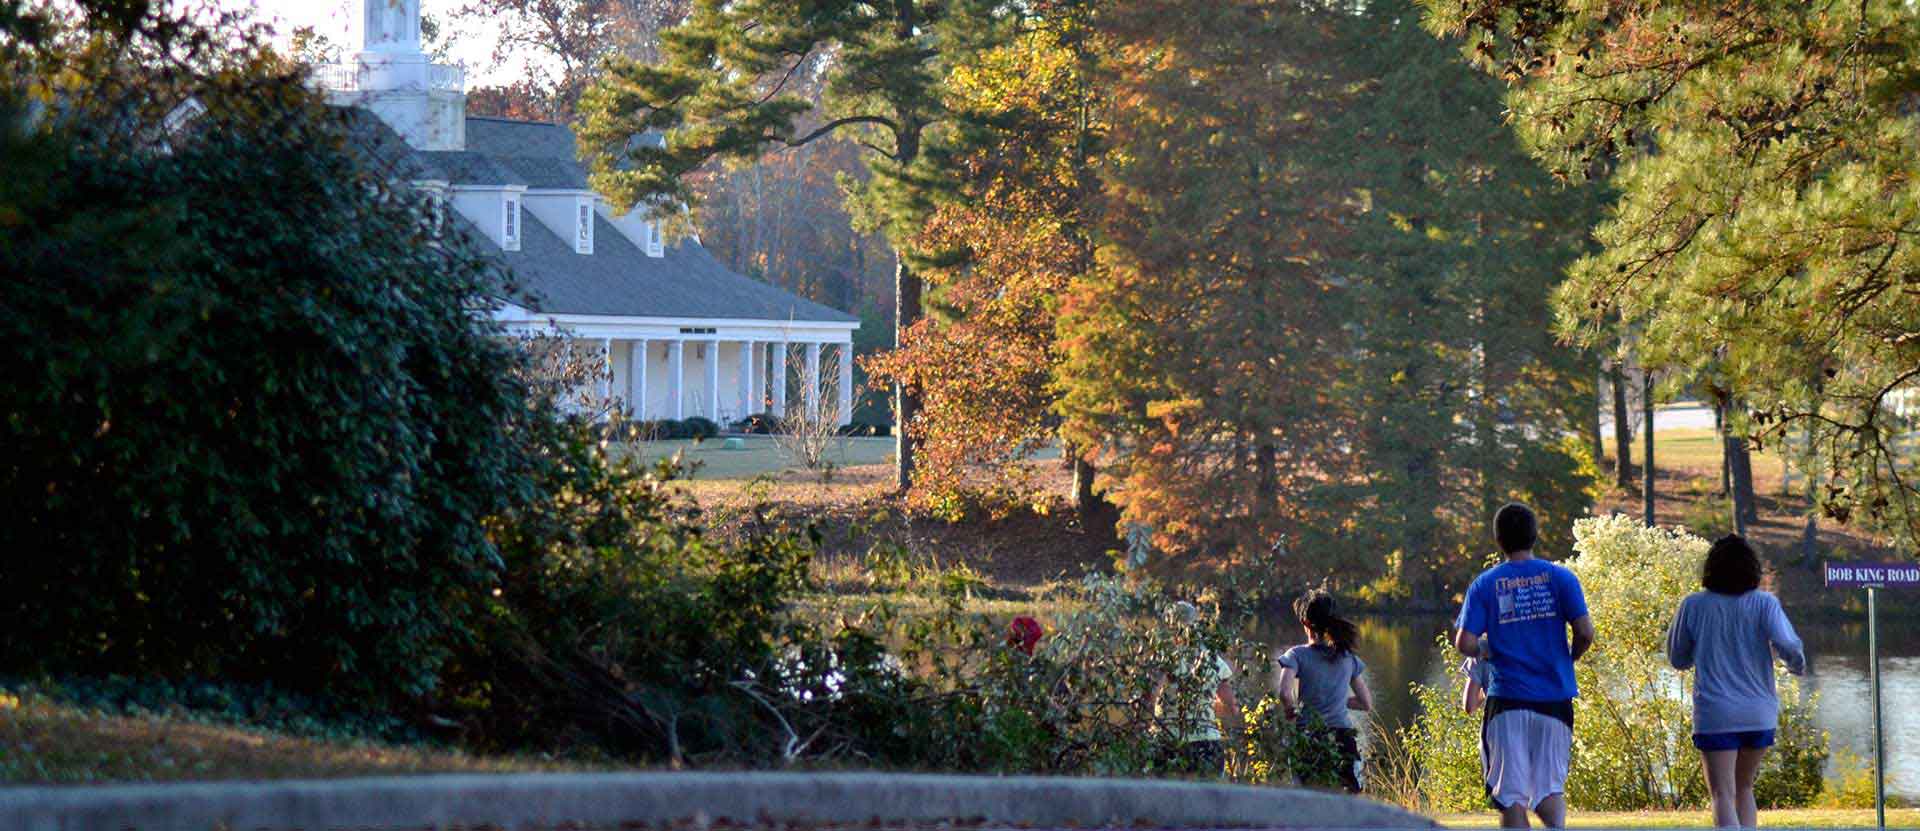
[339, 21]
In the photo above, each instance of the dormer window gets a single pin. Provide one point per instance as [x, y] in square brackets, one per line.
[655, 248]
[510, 224]
[583, 228]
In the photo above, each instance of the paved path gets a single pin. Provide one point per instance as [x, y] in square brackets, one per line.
[694, 800]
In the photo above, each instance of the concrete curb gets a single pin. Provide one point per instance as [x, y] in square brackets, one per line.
[612, 799]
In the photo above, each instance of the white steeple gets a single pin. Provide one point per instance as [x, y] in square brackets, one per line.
[423, 101]
[391, 26]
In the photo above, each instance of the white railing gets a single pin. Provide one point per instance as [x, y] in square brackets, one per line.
[347, 76]
[448, 77]
[342, 76]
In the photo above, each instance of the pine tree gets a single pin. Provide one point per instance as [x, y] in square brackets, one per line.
[1765, 156]
[723, 91]
[1459, 392]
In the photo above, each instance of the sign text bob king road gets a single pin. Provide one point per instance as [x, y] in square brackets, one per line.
[1861, 575]
[1874, 577]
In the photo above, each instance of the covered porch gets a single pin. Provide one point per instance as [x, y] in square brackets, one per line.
[721, 370]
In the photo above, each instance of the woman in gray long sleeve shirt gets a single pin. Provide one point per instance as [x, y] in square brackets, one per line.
[1728, 635]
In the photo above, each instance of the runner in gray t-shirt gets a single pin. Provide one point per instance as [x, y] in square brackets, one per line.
[1728, 635]
[1321, 680]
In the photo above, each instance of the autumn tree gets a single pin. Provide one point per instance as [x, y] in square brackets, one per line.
[1011, 233]
[1200, 358]
[784, 219]
[1767, 203]
[558, 45]
[724, 89]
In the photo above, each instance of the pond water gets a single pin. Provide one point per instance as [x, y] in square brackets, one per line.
[1401, 650]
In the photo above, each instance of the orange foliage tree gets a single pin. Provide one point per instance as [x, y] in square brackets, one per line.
[1199, 360]
[1009, 236]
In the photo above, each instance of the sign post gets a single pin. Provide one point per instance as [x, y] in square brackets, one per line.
[1873, 577]
[1879, 742]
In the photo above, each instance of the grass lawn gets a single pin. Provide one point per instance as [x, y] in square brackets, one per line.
[1697, 451]
[1794, 818]
[47, 742]
[759, 455]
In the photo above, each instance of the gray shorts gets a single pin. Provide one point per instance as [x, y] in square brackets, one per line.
[1524, 755]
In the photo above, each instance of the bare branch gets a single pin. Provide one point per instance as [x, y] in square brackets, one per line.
[835, 125]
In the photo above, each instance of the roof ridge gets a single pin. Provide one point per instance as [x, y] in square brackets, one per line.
[515, 120]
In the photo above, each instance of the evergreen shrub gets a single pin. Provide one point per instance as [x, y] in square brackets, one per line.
[700, 427]
[252, 419]
[759, 424]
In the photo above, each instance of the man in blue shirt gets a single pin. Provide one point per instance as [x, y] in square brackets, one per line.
[1517, 616]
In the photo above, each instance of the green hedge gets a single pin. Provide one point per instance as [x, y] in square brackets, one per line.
[252, 421]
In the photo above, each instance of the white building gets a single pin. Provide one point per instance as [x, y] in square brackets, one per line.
[682, 335]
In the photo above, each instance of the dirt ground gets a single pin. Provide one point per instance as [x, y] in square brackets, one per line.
[1017, 550]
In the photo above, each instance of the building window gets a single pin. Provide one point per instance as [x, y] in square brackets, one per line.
[510, 228]
[653, 239]
[583, 242]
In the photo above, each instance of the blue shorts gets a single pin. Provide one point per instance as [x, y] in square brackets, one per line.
[1747, 740]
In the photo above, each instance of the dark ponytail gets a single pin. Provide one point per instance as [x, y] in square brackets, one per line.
[1315, 611]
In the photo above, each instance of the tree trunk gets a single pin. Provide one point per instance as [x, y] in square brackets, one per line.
[1810, 535]
[1646, 428]
[1419, 522]
[1736, 468]
[1740, 485]
[1810, 540]
[1596, 437]
[1622, 431]
[1086, 503]
[906, 299]
[1267, 489]
[906, 401]
[1726, 451]
[1738, 510]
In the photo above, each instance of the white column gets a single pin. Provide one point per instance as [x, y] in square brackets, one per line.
[677, 378]
[846, 382]
[812, 381]
[777, 367]
[746, 379]
[637, 377]
[713, 380]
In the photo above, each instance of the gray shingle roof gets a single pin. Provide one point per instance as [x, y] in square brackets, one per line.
[618, 278]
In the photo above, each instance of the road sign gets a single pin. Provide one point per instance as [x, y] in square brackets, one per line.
[1873, 577]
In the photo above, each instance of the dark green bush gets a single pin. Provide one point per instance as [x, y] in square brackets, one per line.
[700, 427]
[619, 625]
[759, 424]
[864, 428]
[252, 423]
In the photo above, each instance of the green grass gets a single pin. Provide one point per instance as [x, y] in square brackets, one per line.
[1694, 449]
[1792, 818]
[761, 455]
[43, 741]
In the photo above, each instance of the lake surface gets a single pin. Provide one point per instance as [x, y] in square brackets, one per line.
[1401, 650]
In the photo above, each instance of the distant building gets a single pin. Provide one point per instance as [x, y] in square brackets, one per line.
[682, 334]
